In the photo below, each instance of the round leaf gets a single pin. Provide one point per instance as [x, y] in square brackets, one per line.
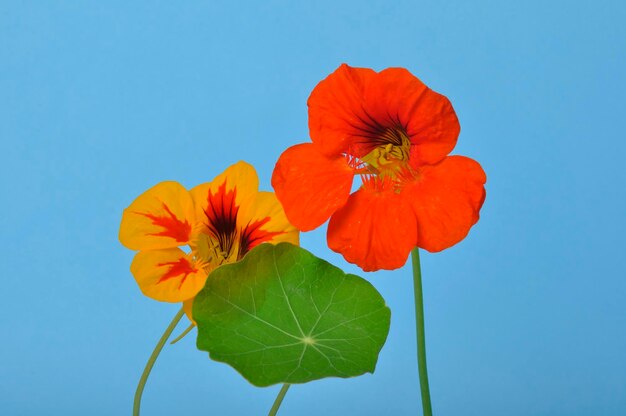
[282, 315]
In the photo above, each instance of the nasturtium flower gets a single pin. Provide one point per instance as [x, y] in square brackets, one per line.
[218, 222]
[395, 133]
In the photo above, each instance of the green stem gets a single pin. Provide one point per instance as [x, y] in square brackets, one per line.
[421, 336]
[279, 400]
[181, 336]
[152, 359]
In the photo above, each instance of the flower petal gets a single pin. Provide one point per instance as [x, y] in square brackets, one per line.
[161, 217]
[446, 199]
[376, 229]
[168, 275]
[336, 108]
[240, 179]
[311, 186]
[218, 202]
[354, 110]
[264, 221]
[395, 96]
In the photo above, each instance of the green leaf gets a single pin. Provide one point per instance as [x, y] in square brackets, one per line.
[282, 315]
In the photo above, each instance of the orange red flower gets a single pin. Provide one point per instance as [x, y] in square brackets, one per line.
[395, 133]
[219, 222]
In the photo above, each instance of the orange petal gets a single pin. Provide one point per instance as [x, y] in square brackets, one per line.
[336, 108]
[162, 217]
[446, 199]
[395, 96]
[263, 221]
[168, 275]
[376, 229]
[355, 110]
[310, 185]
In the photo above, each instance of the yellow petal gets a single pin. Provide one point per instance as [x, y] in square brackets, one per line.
[168, 275]
[161, 217]
[239, 179]
[263, 220]
[218, 202]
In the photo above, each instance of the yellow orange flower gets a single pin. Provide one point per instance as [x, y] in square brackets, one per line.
[395, 133]
[219, 222]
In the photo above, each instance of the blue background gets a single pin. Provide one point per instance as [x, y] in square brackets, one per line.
[101, 100]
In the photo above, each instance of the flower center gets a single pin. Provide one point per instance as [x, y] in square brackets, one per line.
[391, 154]
[210, 250]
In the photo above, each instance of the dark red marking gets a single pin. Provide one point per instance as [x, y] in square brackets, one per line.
[373, 132]
[221, 214]
[252, 235]
[178, 267]
[172, 226]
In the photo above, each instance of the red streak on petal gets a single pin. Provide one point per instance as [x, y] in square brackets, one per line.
[172, 226]
[178, 268]
[252, 235]
[221, 214]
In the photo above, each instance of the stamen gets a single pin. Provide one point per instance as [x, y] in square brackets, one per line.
[383, 181]
[359, 167]
[199, 263]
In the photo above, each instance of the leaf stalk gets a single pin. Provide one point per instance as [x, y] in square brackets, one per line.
[279, 399]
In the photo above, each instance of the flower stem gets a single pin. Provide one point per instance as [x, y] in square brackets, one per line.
[181, 336]
[152, 359]
[421, 336]
[279, 399]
